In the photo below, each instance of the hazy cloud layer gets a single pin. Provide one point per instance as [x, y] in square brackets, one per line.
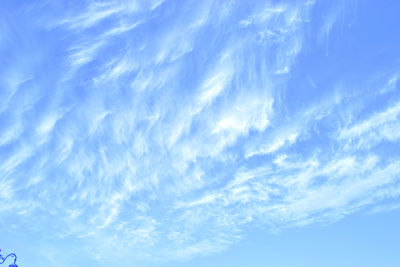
[164, 129]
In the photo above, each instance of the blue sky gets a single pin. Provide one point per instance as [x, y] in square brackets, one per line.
[200, 133]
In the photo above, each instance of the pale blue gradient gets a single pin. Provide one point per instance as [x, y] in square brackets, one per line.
[200, 133]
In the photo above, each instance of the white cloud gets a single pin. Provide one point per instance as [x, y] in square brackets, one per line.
[378, 127]
[167, 132]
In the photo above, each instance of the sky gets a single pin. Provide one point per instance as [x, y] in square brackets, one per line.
[200, 133]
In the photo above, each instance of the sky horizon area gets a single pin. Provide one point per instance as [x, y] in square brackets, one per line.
[167, 133]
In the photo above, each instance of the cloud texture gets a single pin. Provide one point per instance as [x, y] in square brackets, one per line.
[165, 129]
